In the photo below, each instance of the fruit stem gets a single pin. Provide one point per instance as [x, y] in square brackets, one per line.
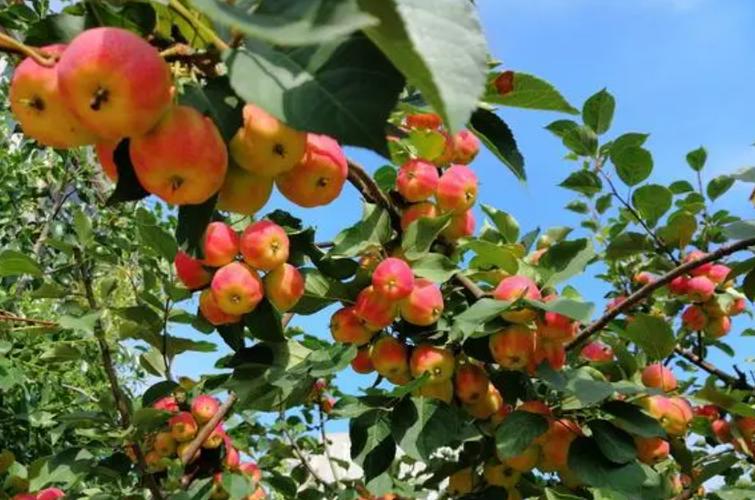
[10, 44]
[218, 42]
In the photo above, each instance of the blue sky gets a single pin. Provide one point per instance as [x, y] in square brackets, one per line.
[680, 70]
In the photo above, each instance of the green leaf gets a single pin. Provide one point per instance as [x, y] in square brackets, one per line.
[615, 444]
[321, 89]
[696, 158]
[439, 47]
[532, 92]
[264, 322]
[472, 318]
[652, 201]
[627, 244]
[153, 363]
[517, 431]
[746, 174]
[232, 335]
[421, 426]
[681, 187]
[629, 139]
[319, 292]
[603, 203]
[157, 391]
[64, 469]
[583, 181]
[597, 111]
[374, 229]
[633, 164]
[652, 334]
[581, 141]
[717, 466]
[434, 266]
[290, 22]
[574, 309]
[551, 494]
[217, 100]
[633, 420]
[60, 353]
[372, 446]
[679, 229]
[587, 388]
[740, 230]
[421, 234]
[385, 177]
[504, 222]
[731, 401]
[496, 135]
[577, 206]
[146, 419]
[14, 263]
[565, 259]
[718, 186]
[559, 128]
[492, 255]
[83, 227]
[331, 360]
[592, 468]
[237, 486]
[154, 236]
[85, 323]
[56, 28]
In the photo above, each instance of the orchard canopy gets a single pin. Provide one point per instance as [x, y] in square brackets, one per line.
[141, 144]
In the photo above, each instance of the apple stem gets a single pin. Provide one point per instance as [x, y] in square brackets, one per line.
[10, 44]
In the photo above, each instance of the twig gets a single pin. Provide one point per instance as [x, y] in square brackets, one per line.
[218, 42]
[300, 455]
[646, 290]
[728, 379]
[108, 364]
[362, 181]
[6, 316]
[9, 43]
[336, 479]
[207, 429]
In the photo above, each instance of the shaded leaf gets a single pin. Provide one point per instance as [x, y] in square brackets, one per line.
[496, 135]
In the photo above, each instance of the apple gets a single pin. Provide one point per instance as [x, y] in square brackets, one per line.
[513, 348]
[212, 312]
[738, 306]
[461, 482]
[167, 403]
[393, 279]
[390, 357]
[597, 352]
[423, 121]
[183, 427]
[535, 406]
[556, 327]
[284, 286]
[346, 327]
[50, 494]
[232, 458]
[651, 450]
[525, 461]
[105, 152]
[700, 289]
[215, 439]
[437, 362]
[471, 383]
[220, 244]
[183, 159]
[643, 278]
[264, 245]
[488, 405]
[457, 189]
[204, 407]
[718, 273]
[362, 362]
[694, 318]
[190, 271]
[722, 430]
[442, 391]
[153, 461]
[466, 147]
[554, 353]
[700, 270]
[717, 326]
[417, 180]
[460, 226]
[375, 311]
[678, 285]
[555, 443]
[165, 444]
[417, 211]
[498, 474]
[264, 145]
[319, 176]
[658, 376]
[243, 192]
[116, 83]
[40, 108]
[513, 288]
[424, 305]
[237, 288]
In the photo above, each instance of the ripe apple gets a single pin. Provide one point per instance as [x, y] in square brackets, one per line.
[651, 450]
[717, 326]
[183, 159]
[105, 152]
[116, 83]
[264, 145]
[694, 318]
[555, 443]
[700, 289]
[243, 192]
[678, 285]
[552, 352]
[232, 458]
[36, 102]
[183, 427]
[460, 226]
[674, 414]
[513, 347]
[220, 244]
[362, 362]
[319, 176]
[346, 327]
[556, 327]
[375, 311]
[417, 180]
[264, 245]
[424, 121]
[435, 361]
[718, 273]
[190, 271]
[393, 279]
[167, 403]
[50, 494]
[525, 461]
[461, 482]
[215, 439]
[237, 288]
[513, 288]
[417, 211]
[643, 278]
[597, 352]
[700, 270]
[212, 312]
[284, 286]
[471, 383]
[442, 391]
[658, 376]
[424, 305]
[165, 444]
[722, 430]
[738, 306]
[488, 405]
[457, 189]
[153, 461]
[390, 357]
[204, 407]
[498, 474]
[466, 147]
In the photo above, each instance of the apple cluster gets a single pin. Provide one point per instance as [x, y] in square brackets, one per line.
[445, 177]
[232, 287]
[185, 422]
[109, 84]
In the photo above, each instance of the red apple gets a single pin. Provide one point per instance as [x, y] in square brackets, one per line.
[345, 326]
[393, 279]
[237, 288]
[457, 189]
[190, 271]
[417, 180]
[513, 348]
[220, 244]
[435, 361]
[284, 286]
[424, 305]
[264, 245]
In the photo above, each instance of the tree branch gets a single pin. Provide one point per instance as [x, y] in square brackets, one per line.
[207, 429]
[333, 470]
[300, 455]
[7, 316]
[728, 379]
[10, 44]
[361, 180]
[649, 288]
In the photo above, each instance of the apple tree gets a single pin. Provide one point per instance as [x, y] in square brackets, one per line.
[141, 144]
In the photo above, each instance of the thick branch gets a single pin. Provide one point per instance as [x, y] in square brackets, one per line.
[361, 180]
[207, 429]
[9, 43]
[646, 290]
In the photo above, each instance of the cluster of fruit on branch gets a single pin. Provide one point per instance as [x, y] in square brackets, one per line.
[235, 287]
[214, 455]
[109, 84]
